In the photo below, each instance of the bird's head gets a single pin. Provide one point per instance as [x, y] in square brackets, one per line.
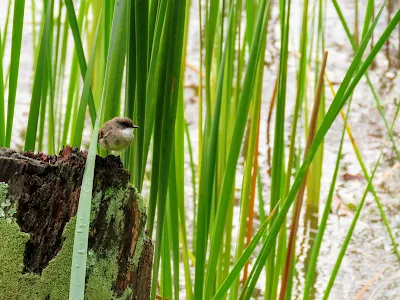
[123, 123]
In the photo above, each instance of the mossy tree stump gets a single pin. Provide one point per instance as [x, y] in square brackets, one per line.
[39, 197]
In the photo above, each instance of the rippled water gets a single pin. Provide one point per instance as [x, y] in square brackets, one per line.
[370, 252]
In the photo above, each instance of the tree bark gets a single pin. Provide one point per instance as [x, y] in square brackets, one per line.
[39, 197]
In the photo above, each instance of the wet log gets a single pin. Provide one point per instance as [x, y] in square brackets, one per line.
[39, 197]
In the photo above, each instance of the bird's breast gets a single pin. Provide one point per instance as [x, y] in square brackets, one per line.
[127, 133]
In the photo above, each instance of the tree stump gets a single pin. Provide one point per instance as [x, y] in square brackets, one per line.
[39, 197]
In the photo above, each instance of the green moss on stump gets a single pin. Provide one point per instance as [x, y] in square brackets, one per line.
[7, 210]
[54, 281]
[3, 192]
[142, 236]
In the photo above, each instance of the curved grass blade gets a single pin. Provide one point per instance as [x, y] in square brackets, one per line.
[172, 217]
[193, 170]
[278, 155]
[155, 100]
[79, 257]
[157, 64]
[300, 196]
[171, 96]
[249, 232]
[38, 82]
[2, 115]
[374, 94]
[50, 116]
[380, 109]
[108, 17]
[43, 105]
[153, 11]
[57, 49]
[177, 206]
[130, 83]
[206, 186]
[325, 215]
[18, 23]
[238, 132]
[60, 76]
[141, 26]
[166, 272]
[80, 120]
[344, 92]
[79, 51]
[366, 175]
[301, 85]
[155, 172]
[116, 68]
[212, 9]
[322, 226]
[72, 90]
[241, 262]
[158, 68]
[351, 230]
[73, 81]
[247, 193]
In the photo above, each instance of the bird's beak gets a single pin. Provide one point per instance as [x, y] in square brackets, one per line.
[135, 126]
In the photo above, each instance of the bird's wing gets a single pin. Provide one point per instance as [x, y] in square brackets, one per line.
[102, 134]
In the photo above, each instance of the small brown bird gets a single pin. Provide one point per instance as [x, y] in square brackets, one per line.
[116, 134]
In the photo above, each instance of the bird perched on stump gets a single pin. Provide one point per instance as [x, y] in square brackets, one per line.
[116, 134]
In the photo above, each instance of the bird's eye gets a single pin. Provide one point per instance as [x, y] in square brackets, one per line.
[126, 124]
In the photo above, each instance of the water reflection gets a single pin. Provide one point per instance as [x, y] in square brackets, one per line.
[307, 240]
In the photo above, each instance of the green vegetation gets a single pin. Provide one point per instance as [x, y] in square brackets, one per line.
[129, 58]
